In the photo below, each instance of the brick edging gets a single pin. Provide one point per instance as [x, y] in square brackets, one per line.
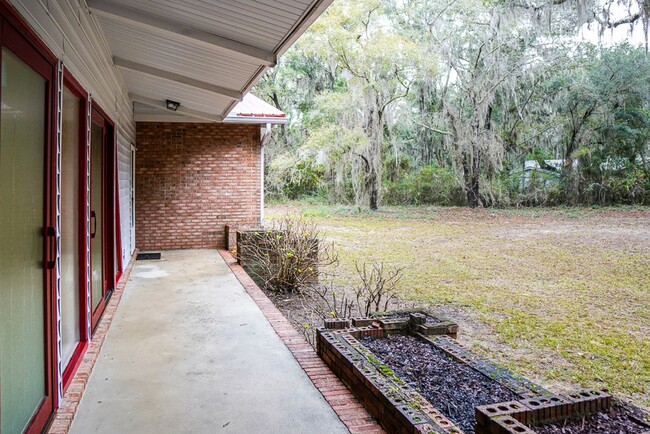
[62, 419]
[351, 412]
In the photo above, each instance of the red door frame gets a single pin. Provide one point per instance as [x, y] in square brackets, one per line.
[112, 199]
[17, 36]
[119, 267]
[108, 204]
[75, 87]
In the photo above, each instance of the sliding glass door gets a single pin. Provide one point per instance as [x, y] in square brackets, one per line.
[97, 269]
[74, 331]
[27, 236]
[102, 215]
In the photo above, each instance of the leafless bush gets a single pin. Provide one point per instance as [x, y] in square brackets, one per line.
[326, 302]
[374, 293]
[320, 302]
[378, 287]
[289, 256]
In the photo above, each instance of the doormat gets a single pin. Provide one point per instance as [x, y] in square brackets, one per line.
[146, 256]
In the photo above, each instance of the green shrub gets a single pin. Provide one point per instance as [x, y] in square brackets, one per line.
[627, 186]
[427, 185]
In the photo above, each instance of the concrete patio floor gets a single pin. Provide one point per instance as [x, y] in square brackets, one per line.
[189, 351]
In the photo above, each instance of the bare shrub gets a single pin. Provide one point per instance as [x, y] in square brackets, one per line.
[378, 287]
[289, 256]
[320, 302]
[292, 257]
[327, 302]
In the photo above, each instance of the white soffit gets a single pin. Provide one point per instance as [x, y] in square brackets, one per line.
[147, 113]
[205, 54]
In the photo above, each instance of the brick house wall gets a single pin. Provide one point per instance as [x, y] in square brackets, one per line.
[193, 179]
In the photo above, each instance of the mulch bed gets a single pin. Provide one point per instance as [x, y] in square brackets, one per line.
[452, 387]
[618, 420]
[456, 389]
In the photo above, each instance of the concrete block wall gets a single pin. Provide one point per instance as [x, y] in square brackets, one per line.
[193, 179]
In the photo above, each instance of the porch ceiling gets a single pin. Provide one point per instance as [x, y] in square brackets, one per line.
[205, 54]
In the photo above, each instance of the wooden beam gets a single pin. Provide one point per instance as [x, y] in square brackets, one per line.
[152, 102]
[141, 19]
[167, 75]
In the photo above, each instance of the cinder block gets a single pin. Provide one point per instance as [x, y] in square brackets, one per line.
[436, 416]
[514, 409]
[416, 319]
[362, 322]
[590, 401]
[426, 428]
[392, 324]
[546, 409]
[337, 323]
[508, 425]
[478, 429]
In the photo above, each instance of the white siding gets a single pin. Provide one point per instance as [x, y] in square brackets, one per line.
[74, 35]
[124, 194]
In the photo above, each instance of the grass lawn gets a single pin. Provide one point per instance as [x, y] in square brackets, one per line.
[560, 295]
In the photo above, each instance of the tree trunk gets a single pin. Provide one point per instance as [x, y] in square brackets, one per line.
[472, 176]
[567, 174]
[473, 194]
[375, 131]
[374, 191]
[472, 163]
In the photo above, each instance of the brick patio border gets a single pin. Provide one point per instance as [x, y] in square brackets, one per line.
[63, 417]
[351, 412]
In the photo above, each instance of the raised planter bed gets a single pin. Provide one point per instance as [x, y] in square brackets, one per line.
[418, 379]
[451, 386]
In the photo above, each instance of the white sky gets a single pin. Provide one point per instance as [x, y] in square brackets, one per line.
[619, 34]
[615, 36]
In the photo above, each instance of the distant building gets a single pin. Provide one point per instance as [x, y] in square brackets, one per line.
[534, 173]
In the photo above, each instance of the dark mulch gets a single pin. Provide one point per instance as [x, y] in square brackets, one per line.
[452, 387]
[618, 420]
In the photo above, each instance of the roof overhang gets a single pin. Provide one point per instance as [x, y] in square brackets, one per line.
[252, 110]
[204, 54]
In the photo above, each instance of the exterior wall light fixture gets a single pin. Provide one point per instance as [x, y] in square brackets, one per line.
[172, 105]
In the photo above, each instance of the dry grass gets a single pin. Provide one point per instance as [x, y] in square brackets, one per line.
[559, 295]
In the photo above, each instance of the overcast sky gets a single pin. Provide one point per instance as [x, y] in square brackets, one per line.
[619, 34]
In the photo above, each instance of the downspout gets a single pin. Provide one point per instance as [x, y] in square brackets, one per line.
[265, 138]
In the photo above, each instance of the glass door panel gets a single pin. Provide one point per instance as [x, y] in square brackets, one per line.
[70, 253]
[22, 287]
[96, 214]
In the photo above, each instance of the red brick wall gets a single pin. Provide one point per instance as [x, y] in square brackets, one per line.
[193, 179]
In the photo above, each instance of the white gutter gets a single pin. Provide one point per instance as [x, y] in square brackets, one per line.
[254, 120]
[265, 138]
